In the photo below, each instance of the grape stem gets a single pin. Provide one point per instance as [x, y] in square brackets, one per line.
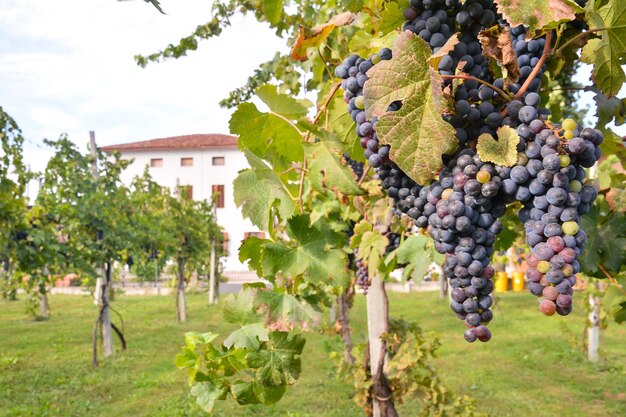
[365, 172]
[469, 77]
[611, 279]
[537, 68]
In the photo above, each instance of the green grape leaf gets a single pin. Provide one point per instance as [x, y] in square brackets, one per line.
[417, 133]
[279, 362]
[501, 152]
[258, 190]
[614, 301]
[283, 104]
[609, 109]
[248, 337]
[316, 254]
[250, 250]
[606, 241]
[392, 16]
[606, 53]
[272, 135]
[498, 45]
[325, 169]
[612, 144]
[538, 14]
[239, 308]
[371, 249]
[207, 393]
[251, 392]
[284, 312]
[352, 5]
[511, 229]
[273, 10]
[417, 252]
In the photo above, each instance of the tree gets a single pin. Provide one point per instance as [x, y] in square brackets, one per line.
[193, 226]
[13, 206]
[83, 195]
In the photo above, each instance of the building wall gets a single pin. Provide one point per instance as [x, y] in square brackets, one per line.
[201, 176]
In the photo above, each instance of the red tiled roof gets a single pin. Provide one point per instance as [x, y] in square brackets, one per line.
[212, 140]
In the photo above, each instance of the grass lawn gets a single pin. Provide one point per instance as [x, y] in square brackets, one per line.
[530, 368]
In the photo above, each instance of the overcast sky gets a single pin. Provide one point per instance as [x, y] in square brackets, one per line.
[66, 66]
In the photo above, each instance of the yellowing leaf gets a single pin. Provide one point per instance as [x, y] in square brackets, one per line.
[315, 36]
[502, 152]
[417, 133]
[538, 14]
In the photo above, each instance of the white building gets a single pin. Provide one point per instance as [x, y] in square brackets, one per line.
[202, 165]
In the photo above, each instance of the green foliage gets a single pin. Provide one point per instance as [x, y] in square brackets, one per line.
[416, 253]
[606, 53]
[417, 133]
[606, 240]
[260, 193]
[216, 373]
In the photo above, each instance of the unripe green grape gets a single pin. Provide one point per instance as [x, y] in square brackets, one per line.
[375, 59]
[483, 176]
[565, 160]
[570, 228]
[568, 134]
[359, 102]
[569, 124]
[543, 266]
[575, 186]
[567, 270]
[446, 193]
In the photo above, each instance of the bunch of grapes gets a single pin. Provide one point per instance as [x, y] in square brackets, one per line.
[355, 166]
[461, 208]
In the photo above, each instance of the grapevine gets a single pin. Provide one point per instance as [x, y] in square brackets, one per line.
[543, 173]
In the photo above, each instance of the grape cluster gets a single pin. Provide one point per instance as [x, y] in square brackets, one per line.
[355, 166]
[362, 275]
[549, 180]
[461, 208]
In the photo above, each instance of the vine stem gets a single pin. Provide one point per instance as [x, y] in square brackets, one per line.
[301, 186]
[321, 110]
[546, 52]
[469, 77]
[365, 172]
[610, 278]
[580, 35]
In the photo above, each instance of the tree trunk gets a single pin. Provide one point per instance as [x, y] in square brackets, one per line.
[212, 283]
[593, 329]
[377, 325]
[107, 333]
[181, 302]
[45, 307]
[343, 318]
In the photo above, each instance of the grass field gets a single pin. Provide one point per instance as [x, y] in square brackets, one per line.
[530, 368]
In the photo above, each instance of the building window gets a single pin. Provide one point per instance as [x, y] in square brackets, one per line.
[260, 235]
[219, 200]
[225, 243]
[187, 191]
[218, 160]
[156, 162]
[186, 162]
